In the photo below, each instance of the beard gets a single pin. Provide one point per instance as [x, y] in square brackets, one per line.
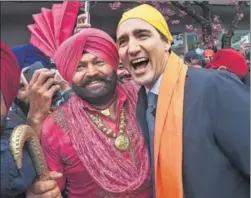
[97, 95]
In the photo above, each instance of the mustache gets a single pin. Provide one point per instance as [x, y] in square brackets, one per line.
[125, 76]
[90, 79]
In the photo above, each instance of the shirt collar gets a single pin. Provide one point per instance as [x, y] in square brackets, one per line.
[156, 86]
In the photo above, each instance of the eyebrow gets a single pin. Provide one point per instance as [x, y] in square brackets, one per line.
[91, 60]
[135, 32]
[138, 31]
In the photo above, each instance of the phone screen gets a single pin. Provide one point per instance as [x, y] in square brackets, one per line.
[28, 72]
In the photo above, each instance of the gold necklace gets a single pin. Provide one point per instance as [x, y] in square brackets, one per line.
[122, 141]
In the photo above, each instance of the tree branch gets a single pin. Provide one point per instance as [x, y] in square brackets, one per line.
[199, 3]
[191, 12]
[227, 37]
[235, 22]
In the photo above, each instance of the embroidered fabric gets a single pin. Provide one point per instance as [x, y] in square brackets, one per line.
[105, 164]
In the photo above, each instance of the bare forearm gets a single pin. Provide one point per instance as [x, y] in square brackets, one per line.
[35, 123]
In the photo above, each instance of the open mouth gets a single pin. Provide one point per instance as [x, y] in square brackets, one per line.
[140, 63]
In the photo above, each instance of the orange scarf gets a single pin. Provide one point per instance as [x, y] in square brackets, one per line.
[168, 130]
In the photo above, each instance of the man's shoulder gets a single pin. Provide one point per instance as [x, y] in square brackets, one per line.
[211, 77]
[201, 74]
[54, 121]
[15, 116]
[214, 83]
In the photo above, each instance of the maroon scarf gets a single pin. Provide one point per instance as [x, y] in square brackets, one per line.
[106, 165]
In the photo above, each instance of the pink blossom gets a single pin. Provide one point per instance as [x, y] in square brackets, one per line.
[183, 13]
[230, 3]
[189, 27]
[199, 35]
[216, 19]
[115, 5]
[175, 22]
[241, 16]
[233, 3]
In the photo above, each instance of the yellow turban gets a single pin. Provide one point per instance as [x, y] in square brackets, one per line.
[150, 15]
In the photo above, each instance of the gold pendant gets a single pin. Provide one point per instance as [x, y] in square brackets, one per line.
[122, 142]
[106, 112]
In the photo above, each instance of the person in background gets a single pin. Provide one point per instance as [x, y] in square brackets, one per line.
[13, 181]
[192, 59]
[123, 74]
[26, 55]
[231, 61]
[207, 56]
[244, 47]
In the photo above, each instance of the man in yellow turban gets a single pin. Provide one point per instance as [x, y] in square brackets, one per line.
[195, 121]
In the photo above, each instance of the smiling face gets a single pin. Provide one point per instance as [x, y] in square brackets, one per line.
[94, 80]
[142, 50]
[208, 59]
[123, 74]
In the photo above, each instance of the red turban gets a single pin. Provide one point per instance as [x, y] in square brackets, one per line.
[231, 59]
[10, 75]
[208, 52]
[91, 40]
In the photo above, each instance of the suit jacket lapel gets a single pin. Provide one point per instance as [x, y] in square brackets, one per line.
[141, 114]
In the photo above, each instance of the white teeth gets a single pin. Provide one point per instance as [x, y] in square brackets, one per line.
[139, 60]
[94, 82]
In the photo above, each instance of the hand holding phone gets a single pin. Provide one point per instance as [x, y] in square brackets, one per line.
[43, 91]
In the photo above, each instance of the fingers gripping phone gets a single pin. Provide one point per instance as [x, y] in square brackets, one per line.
[28, 73]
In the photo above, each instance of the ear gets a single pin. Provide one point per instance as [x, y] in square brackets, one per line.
[167, 47]
[222, 68]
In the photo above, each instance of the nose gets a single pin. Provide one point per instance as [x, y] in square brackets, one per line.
[91, 70]
[133, 48]
[126, 72]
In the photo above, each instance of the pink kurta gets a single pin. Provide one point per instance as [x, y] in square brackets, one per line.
[61, 157]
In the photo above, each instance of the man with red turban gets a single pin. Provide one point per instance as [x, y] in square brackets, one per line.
[208, 55]
[94, 139]
[13, 181]
[10, 78]
[231, 61]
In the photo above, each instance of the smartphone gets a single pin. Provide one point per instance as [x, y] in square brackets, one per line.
[28, 74]
[29, 71]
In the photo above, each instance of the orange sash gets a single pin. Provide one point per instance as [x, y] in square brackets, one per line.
[168, 130]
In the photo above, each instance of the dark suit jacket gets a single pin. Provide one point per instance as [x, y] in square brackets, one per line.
[216, 140]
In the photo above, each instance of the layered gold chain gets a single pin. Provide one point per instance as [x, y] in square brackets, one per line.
[122, 141]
